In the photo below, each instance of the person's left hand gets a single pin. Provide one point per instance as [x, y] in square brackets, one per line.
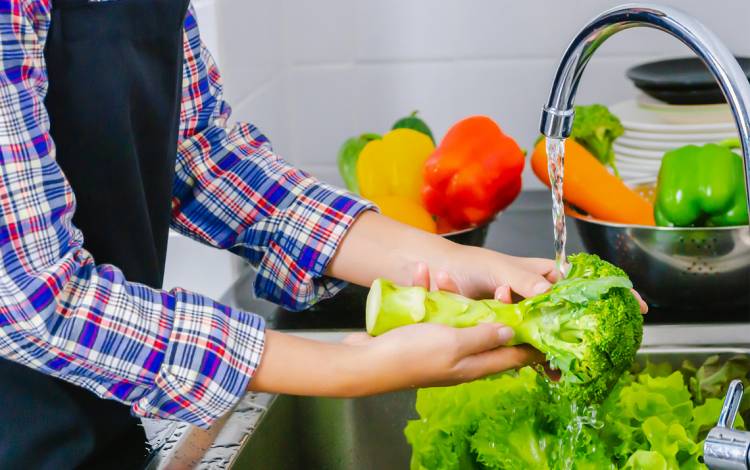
[481, 273]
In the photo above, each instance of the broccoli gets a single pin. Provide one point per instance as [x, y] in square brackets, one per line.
[588, 325]
[596, 128]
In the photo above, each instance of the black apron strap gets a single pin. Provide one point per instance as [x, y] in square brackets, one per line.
[115, 70]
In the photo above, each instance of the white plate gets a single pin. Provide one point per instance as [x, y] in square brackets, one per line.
[642, 180]
[636, 168]
[681, 137]
[629, 178]
[636, 118]
[686, 113]
[638, 153]
[663, 146]
[641, 162]
[639, 169]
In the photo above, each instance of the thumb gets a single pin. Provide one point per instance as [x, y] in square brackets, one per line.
[528, 284]
[483, 337]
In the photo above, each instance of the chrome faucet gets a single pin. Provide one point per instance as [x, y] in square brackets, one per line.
[725, 448]
[557, 115]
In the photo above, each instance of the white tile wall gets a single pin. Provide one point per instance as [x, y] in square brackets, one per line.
[245, 37]
[313, 73]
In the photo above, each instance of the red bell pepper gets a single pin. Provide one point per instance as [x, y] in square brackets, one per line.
[473, 174]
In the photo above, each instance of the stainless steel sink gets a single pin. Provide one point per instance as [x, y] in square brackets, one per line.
[367, 433]
[319, 433]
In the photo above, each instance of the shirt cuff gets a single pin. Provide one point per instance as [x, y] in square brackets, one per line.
[212, 353]
[291, 272]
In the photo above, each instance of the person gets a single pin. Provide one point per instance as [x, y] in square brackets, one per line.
[112, 131]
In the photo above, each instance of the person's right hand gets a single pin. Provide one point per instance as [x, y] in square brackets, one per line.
[421, 355]
[425, 355]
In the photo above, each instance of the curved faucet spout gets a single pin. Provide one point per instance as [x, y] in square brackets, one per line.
[558, 114]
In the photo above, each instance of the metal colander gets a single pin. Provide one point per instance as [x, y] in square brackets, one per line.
[676, 269]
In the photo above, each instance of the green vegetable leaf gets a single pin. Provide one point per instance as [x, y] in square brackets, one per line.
[672, 442]
[582, 290]
[596, 129]
[518, 420]
[706, 415]
[712, 379]
[646, 460]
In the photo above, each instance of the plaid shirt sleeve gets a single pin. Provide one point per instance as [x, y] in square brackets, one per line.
[233, 192]
[174, 354]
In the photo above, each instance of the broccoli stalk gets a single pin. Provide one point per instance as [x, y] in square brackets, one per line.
[596, 128]
[588, 325]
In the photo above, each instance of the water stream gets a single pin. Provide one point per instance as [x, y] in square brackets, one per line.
[555, 168]
[581, 416]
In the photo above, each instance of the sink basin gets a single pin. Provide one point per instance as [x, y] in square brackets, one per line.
[367, 433]
[323, 433]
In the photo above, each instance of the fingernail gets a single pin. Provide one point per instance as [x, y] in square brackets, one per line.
[498, 293]
[505, 333]
[541, 287]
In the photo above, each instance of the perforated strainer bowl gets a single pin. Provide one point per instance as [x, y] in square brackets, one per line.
[677, 269]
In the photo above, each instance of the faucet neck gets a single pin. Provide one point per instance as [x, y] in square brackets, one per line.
[557, 115]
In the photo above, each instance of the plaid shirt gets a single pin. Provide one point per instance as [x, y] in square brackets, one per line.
[175, 354]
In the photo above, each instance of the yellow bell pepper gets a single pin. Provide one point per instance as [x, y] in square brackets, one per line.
[406, 211]
[394, 165]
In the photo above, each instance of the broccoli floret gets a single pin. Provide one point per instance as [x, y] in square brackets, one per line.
[588, 325]
[588, 266]
[596, 128]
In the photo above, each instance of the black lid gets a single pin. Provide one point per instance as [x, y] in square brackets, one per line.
[680, 81]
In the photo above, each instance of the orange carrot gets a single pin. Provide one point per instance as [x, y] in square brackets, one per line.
[589, 186]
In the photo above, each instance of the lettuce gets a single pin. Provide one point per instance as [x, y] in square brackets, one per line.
[655, 419]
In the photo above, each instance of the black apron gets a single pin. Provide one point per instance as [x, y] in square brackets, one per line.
[115, 71]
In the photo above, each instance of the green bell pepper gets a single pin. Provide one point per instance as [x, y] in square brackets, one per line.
[413, 122]
[701, 187]
[348, 157]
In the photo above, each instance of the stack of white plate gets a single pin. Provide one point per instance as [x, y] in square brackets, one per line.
[653, 128]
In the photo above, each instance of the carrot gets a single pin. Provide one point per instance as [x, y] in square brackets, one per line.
[589, 186]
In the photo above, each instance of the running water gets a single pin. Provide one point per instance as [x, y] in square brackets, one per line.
[584, 417]
[581, 417]
[555, 167]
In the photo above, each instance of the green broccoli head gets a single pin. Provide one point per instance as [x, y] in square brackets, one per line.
[588, 266]
[589, 325]
[596, 128]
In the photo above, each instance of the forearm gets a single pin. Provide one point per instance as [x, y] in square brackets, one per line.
[300, 366]
[421, 355]
[377, 246]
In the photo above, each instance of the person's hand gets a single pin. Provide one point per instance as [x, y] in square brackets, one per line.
[377, 246]
[425, 355]
[481, 273]
[421, 355]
